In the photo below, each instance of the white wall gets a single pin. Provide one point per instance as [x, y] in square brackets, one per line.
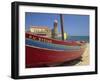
[5, 38]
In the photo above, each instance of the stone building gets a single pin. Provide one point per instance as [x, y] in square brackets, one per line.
[41, 30]
[45, 31]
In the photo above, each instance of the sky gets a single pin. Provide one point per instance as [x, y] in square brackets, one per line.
[74, 25]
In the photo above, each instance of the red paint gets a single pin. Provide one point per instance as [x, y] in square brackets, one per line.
[39, 56]
[36, 56]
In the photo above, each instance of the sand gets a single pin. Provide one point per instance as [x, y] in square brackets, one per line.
[85, 57]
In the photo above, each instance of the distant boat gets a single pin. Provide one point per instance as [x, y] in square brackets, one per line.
[47, 51]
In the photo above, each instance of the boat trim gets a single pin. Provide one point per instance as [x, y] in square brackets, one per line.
[51, 49]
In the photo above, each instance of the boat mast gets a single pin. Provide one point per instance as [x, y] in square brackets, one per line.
[62, 27]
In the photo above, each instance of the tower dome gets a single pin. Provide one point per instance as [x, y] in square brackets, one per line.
[55, 21]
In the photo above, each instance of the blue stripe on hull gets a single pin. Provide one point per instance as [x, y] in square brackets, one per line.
[50, 45]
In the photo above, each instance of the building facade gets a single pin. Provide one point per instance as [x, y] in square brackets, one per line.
[41, 30]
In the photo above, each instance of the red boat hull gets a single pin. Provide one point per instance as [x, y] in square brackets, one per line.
[36, 56]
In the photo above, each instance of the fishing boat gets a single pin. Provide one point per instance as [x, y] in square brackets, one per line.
[47, 51]
[44, 51]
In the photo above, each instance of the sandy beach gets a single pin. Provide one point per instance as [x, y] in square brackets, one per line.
[85, 57]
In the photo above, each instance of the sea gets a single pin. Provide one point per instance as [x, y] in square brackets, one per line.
[78, 38]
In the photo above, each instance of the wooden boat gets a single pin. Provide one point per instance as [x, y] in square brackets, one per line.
[47, 51]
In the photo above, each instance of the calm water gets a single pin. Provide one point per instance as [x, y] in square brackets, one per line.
[78, 38]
